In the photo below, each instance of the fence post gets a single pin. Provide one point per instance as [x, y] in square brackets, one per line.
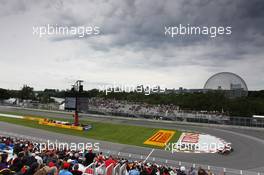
[109, 169]
[116, 169]
[90, 169]
[122, 170]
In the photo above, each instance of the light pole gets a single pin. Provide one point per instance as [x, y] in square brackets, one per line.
[77, 88]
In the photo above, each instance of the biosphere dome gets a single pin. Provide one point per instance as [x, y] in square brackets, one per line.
[226, 81]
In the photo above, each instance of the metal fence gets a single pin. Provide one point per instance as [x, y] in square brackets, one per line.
[193, 117]
[176, 164]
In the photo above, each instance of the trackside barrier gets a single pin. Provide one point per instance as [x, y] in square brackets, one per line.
[116, 169]
[184, 118]
[176, 164]
[100, 170]
[192, 118]
[109, 169]
[122, 170]
[90, 169]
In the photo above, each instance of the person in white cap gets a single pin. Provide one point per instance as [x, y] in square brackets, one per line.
[182, 171]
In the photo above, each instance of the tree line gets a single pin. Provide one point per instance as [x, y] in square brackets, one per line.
[253, 104]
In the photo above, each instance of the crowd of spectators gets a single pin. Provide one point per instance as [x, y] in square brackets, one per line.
[121, 106]
[23, 157]
[137, 109]
[144, 109]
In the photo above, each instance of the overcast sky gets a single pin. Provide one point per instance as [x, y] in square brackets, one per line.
[131, 47]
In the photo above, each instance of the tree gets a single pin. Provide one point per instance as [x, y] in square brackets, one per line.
[27, 93]
[4, 94]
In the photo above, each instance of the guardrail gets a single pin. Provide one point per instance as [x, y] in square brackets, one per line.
[234, 122]
[177, 164]
[194, 118]
[121, 169]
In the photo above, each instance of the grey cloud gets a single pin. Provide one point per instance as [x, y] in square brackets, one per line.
[132, 31]
[9, 7]
[143, 21]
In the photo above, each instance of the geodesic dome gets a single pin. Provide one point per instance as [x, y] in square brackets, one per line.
[226, 81]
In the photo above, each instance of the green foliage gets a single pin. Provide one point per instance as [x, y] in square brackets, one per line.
[27, 93]
[54, 93]
[4, 94]
[44, 97]
[210, 101]
[253, 104]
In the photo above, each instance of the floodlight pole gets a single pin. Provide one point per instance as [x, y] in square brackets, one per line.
[76, 118]
[77, 89]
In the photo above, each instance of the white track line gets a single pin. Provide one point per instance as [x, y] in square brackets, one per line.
[149, 155]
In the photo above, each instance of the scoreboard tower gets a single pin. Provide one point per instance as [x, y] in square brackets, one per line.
[74, 100]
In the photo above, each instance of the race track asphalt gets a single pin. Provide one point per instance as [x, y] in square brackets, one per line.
[248, 144]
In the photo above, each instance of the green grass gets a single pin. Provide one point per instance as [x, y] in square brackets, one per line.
[117, 133]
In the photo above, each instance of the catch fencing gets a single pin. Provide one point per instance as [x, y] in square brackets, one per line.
[181, 116]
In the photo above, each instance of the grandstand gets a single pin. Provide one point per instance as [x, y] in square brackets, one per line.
[167, 112]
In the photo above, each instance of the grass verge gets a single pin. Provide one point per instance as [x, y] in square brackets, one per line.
[116, 133]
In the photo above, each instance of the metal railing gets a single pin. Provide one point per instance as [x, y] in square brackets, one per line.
[176, 164]
[194, 117]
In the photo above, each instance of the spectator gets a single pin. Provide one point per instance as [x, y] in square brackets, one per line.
[38, 158]
[134, 171]
[32, 169]
[46, 170]
[3, 161]
[17, 163]
[191, 171]
[181, 171]
[210, 172]
[110, 161]
[202, 171]
[89, 157]
[100, 157]
[65, 169]
[7, 171]
[75, 170]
